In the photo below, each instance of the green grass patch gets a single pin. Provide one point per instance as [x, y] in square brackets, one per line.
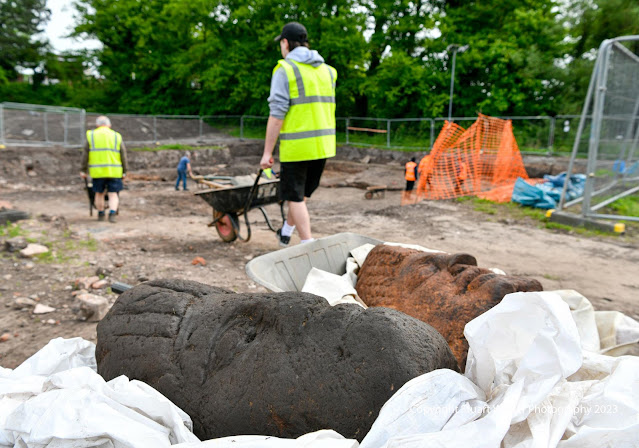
[11, 230]
[90, 243]
[603, 172]
[63, 251]
[516, 212]
[628, 206]
[551, 277]
[530, 212]
[485, 206]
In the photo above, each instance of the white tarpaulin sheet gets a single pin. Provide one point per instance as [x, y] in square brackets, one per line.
[535, 377]
[320, 439]
[538, 375]
[528, 384]
[56, 398]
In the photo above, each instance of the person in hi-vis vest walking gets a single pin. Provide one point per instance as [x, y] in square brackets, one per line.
[410, 175]
[104, 160]
[302, 114]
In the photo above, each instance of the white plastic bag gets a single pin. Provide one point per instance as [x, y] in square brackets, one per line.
[56, 398]
[427, 404]
[318, 439]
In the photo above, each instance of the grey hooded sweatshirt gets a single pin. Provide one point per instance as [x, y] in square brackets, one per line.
[279, 99]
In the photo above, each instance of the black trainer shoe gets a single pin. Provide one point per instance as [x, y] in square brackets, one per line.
[283, 239]
[101, 216]
[112, 218]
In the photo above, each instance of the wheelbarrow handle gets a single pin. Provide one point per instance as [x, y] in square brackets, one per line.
[247, 206]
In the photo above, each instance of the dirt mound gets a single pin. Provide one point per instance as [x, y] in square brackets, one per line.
[277, 364]
[443, 290]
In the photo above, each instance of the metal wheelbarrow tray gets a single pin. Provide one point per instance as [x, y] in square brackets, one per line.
[230, 202]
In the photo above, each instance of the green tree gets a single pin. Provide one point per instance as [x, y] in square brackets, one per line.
[397, 42]
[510, 67]
[67, 67]
[590, 22]
[19, 22]
[209, 57]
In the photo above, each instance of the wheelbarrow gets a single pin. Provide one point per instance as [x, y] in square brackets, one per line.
[88, 186]
[231, 202]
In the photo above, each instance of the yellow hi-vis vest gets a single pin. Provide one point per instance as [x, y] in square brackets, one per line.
[104, 153]
[308, 132]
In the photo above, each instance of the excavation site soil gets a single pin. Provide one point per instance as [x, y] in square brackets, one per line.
[164, 233]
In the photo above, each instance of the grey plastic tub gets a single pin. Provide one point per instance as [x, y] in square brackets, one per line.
[286, 269]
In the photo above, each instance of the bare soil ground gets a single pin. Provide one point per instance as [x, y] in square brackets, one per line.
[160, 231]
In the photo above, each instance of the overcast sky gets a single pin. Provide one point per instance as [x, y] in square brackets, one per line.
[61, 24]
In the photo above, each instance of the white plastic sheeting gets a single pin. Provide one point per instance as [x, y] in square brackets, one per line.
[528, 384]
[319, 439]
[56, 399]
[536, 377]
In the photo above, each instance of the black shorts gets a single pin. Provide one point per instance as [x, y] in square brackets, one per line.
[409, 185]
[300, 179]
[112, 185]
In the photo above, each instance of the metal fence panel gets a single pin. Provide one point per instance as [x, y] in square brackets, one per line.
[410, 133]
[253, 127]
[36, 124]
[613, 152]
[565, 133]
[51, 125]
[220, 124]
[134, 128]
[367, 131]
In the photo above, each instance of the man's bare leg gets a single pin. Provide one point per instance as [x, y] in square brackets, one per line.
[99, 201]
[298, 216]
[114, 201]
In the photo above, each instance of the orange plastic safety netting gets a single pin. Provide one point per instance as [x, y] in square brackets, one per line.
[483, 161]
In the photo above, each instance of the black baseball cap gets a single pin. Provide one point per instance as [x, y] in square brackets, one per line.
[293, 31]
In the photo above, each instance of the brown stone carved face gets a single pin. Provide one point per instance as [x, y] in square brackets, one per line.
[446, 291]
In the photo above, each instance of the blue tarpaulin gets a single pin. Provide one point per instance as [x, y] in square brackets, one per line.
[546, 195]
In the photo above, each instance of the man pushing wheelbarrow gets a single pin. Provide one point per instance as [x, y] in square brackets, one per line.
[104, 160]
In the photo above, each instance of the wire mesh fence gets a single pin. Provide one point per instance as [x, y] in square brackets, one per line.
[32, 124]
[38, 124]
[612, 103]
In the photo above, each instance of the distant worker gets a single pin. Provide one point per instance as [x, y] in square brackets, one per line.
[183, 167]
[104, 160]
[302, 114]
[410, 174]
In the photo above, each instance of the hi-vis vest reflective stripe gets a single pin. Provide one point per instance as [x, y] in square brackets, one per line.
[104, 153]
[308, 132]
[410, 171]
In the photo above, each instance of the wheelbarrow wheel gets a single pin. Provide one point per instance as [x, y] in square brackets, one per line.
[368, 195]
[225, 226]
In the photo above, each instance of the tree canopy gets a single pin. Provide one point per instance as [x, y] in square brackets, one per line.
[525, 57]
[20, 21]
